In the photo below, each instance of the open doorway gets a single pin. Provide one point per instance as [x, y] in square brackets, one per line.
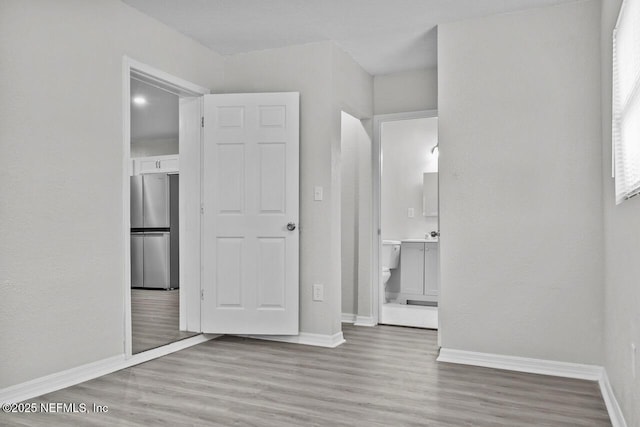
[406, 206]
[220, 188]
[161, 207]
[155, 217]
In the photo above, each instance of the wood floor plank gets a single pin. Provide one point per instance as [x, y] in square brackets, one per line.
[382, 376]
[155, 319]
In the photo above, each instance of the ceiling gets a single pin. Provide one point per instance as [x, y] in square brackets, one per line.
[383, 36]
[158, 118]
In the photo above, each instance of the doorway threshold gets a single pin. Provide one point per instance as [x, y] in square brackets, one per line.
[417, 316]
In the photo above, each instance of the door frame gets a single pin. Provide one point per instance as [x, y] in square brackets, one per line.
[183, 88]
[377, 288]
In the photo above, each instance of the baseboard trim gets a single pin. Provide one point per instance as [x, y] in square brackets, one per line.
[348, 318]
[154, 353]
[544, 367]
[615, 412]
[364, 321]
[305, 338]
[79, 374]
[522, 364]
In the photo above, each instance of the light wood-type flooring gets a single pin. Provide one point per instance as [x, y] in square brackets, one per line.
[155, 318]
[382, 376]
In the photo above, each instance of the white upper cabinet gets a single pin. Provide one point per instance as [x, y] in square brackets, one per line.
[156, 164]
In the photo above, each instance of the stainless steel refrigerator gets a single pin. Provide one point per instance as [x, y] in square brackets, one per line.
[154, 231]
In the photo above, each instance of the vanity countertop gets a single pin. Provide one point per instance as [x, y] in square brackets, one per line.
[420, 241]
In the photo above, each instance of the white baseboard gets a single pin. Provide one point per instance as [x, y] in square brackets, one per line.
[358, 320]
[348, 318]
[364, 321]
[522, 364]
[305, 338]
[59, 380]
[154, 353]
[544, 367]
[615, 412]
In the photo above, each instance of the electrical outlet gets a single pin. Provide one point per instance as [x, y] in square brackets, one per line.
[318, 292]
[633, 360]
[410, 212]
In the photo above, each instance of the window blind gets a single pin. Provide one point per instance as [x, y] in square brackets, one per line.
[626, 101]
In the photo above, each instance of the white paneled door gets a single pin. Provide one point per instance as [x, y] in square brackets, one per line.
[250, 222]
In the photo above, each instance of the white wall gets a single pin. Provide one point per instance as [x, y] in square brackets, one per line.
[356, 215]
[520, 184]
[406, 155]
[349, 212]
[154, 147]
[622, 250]
[328, 81]
[61, 258]
[406, 91]
[353, 94]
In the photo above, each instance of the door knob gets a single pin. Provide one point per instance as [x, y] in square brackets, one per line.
[291, 226]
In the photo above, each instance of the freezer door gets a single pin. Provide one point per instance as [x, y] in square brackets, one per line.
[155, 190]
[136, 201]
[156, 269]
[137, 245]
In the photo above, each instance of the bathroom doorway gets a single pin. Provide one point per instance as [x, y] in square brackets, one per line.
[405, 200]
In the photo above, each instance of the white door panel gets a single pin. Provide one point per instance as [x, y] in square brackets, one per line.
[250, 194]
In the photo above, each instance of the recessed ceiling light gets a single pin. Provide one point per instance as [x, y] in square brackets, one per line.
[139, 100]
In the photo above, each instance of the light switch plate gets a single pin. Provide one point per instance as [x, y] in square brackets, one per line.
[411, 213]
[317, 193]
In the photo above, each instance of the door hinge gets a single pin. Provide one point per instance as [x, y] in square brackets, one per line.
[202, 294]
[202, 209]
[202, 121]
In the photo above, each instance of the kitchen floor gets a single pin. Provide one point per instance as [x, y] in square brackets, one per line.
[381, 376]
[155, 318]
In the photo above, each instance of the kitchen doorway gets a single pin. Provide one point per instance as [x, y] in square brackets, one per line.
[161, 200]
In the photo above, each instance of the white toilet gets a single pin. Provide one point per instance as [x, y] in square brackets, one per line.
[390, 258]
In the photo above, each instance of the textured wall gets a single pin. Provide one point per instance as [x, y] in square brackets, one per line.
[406, 91]
[622, 248]
[61, 166]
[520, 184]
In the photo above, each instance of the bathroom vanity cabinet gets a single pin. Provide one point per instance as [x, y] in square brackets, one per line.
[419, 272]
